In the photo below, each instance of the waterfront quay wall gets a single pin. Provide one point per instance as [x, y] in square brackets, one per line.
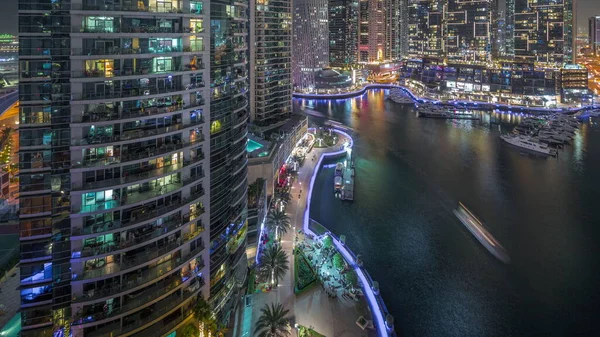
[479, 105]
[381, 318]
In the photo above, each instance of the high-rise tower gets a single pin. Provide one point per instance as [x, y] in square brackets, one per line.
[468, 30]
[270, 61]
[310, 41]
[228, 157]
[425, 28]
[343, 32]
[132, 163]
[544, 30]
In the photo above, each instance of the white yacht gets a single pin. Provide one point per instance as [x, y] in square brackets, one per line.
[397, 96]
[528, 144]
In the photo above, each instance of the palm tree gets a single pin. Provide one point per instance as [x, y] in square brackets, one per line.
[217, 330]
[283, 196]
[203, 314]
[190, 330]
[278, 222]
[273, 264]
[272, 322]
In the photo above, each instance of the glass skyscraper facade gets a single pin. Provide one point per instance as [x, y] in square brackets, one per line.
[133, 124]
[270, 61]
[228, 157]
[468, 32]
[425, 28]
[310, 41]
[543, 31]
[343, 32]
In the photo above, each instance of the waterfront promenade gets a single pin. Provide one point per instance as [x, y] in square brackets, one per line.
[332, 317]
[480, 105]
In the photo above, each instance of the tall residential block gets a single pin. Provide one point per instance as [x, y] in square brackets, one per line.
[544, 31]
[594, 34]
[402, 28]
[310, 42]
[343, 32]
[509, 31]
[229, 106]
[270, 61]
[468, 32]
[426, 28]
[380, 29]
[132, 163]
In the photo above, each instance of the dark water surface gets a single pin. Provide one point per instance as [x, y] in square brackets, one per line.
[436, 279]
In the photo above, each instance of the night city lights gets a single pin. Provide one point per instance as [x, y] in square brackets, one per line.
[305, 168]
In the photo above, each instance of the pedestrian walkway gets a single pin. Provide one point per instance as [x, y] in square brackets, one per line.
[332, 317]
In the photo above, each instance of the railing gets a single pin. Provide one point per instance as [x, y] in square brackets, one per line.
[133, 176]
[131, 8]
[162, 307]
[123, 51]
[132, 92]
[134, 134]
[97, 115]
[136, 240]
[130, 72]
[144, 153]
[118, 267]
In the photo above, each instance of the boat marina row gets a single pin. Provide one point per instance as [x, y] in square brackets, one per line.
[543, 134]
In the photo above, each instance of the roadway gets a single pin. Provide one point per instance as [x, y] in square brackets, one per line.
[10, 118]
[593, 66]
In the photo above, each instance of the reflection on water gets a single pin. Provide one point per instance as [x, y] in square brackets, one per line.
[435, 277]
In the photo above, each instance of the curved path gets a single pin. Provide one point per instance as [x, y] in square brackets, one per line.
[378, 309]
[475, 104]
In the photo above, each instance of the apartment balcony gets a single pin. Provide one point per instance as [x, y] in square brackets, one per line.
[138, 237]
[135, 134]
[162, 327]
[126, 92]
[142, 215]
[133, 300]
[136, 280]
[145, 51]
[133, 8]
[125, 30]
[136, 176]
[150, 313]
[102, 113]
[128, 199]
[239, 104]
[134, 72]
[100, 268]
[137, 154]
[240, 46]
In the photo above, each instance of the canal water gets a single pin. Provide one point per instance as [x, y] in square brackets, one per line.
[435, 277]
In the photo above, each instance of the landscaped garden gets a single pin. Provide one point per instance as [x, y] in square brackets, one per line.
[325, 138]
[304, 276]
[307, 332]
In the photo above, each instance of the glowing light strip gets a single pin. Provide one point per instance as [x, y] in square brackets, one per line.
[416, 98]
[367, 290]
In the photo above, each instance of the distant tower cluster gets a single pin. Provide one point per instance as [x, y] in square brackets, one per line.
[474, 30]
